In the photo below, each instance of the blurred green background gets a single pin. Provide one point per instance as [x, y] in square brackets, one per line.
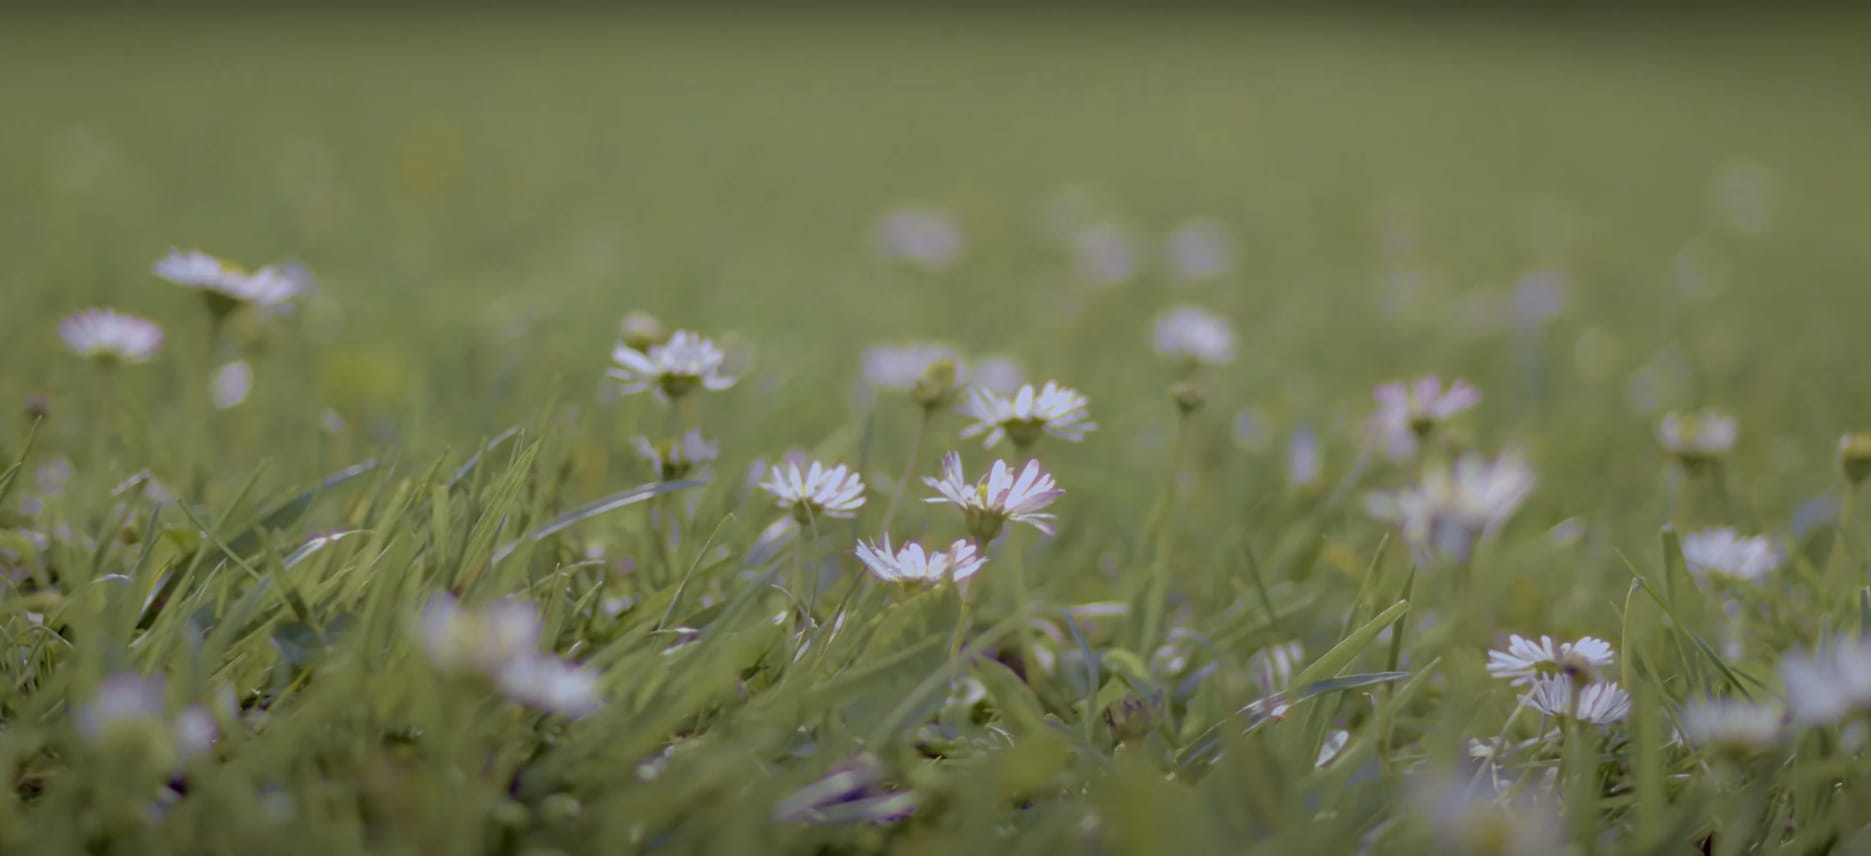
[483, 193]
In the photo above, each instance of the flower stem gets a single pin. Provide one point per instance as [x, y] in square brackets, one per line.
[1157, 586]
[909, 469]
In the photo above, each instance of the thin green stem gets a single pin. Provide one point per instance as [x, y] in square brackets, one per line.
[909, 468]
[1157, 587]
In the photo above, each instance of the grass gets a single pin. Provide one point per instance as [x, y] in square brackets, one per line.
[483, 196]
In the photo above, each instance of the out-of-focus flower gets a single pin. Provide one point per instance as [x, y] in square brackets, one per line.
[226, 286]
[1104, 254]
[1600, 703]
[1539, 297]
[1453, 505]
[927, 237]
[1467, 816]
[912, 564]
[1697, 439]
[998, 497]
[1722, 553]
[999, 374]
[1408, 411]
[1733, 725]
[1825, 685]
[1022, 417]
[110, 337]
[550, 684]
[1195, 335]
[816, 491]
[460, 640]
[1198, 250]
[674, 368]
[129, 714]
[1525, 661]
[641, 331]
[902, 366]
[231, 384]
[675, 460]
[499, 643]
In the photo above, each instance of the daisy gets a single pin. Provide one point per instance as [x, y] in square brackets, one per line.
[550, 684]
[1733, 724]
[673, 368]
[131, 708]
[1195, 335]
[110, 337]
[226, 286]
[1599, 703]
[1104, 254]
[1526, 661]
[1053, 409]
[1409, 410]
[1198, 250]
[1824, 686]
[484, 640]
[674, 460]
[913, 565]
[1724, 554]
[1698, 438]
[816, 491]
[1453, 505]
[998, 497]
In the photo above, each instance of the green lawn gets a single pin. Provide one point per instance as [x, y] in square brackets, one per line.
[483, 195]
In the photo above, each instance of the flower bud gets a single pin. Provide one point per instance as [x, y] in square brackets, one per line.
[640, 330]
[937, 386]
[1188, 396]
[1855, 456]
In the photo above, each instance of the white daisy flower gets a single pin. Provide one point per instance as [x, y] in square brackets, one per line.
[124, 701]
[1472, 815]
[1453, 505]
[912, 564]
[226, 286]
[1724, 554]
[551, 685]
[1600, 703]
[674, 368]
[1273, 666]
[482, 640]
[672, 461]
[927, 237]
[998, 497]
[1195, 335]
[1526, 661]
[1824, 686]
[1698, 437]
[110, 337]
[231, 384]
[1733, 724]
[1409, 410]
[816, 491]
[1052, 409]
